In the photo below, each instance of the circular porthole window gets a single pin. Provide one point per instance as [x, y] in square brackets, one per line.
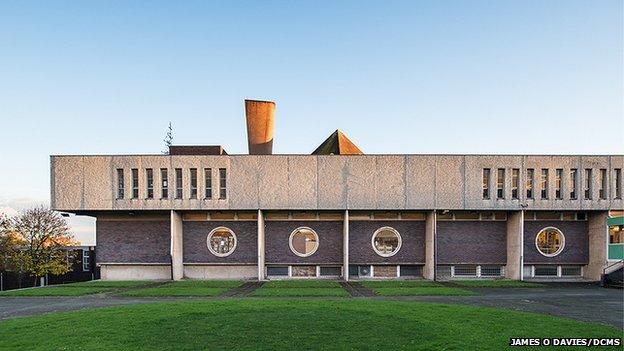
[386, 241]
[221, 241]
[303, 242]
[550, 241]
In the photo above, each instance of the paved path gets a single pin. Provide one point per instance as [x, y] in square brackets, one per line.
[582, 302]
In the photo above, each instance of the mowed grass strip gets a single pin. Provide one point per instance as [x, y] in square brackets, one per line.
[413, 288]
[300, 288]
[77, 289]
[56, 291]
[187, 288]
[267, 324]
[497, 283]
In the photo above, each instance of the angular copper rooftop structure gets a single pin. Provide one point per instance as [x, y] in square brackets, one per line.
[337, 144]
[260, 120]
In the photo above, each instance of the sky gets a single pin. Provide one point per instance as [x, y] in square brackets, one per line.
[501, 77]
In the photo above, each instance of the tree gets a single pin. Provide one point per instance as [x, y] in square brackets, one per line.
[42, 235]
[168, 139]
[9, 243]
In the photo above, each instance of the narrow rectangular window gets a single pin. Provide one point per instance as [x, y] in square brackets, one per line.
[515, 183]
[572, 185]
[222, 183]
[603, 184]
[486, 184]
[178, 182]
[86, 260]
[120, 183]
[544, 183]
[135, 183]
[558, 184]
[193, 174]
[149, 176]
[208, 180]
[164, 183]
[529, 183]
[618, 183]
[587, 189]
[500, 184]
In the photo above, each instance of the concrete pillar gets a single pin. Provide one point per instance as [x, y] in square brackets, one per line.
[177, 267]
[261, 263]
[430, 243]
[345, 247]
[597, 236]
[515, 245]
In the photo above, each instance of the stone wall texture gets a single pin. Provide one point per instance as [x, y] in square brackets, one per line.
[278, 250]
[196, 249]
[303, 182]
[412, 246]
[576, 250]
[471, 242]
[140, 241]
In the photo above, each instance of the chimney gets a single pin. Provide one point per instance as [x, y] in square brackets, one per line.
[260, 119]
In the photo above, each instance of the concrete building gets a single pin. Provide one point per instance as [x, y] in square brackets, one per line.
[200, 213]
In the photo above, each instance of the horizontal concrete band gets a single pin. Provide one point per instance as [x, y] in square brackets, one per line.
[385, 182]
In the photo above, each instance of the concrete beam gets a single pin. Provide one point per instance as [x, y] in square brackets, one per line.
[345, 247]
[430, 234]
[261, 247]
[177, 267]
[598, 234]
[515, 245]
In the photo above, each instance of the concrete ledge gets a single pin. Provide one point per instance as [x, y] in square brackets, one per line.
[220, 272]
[135, 272]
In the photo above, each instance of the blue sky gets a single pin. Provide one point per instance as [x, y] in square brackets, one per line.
[106, 77]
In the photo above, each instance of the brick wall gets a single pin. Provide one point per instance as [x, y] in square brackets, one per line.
[412, 246]
[471, 242]
[139, 241]
[278, 250]
[196, 249]
[576, 248]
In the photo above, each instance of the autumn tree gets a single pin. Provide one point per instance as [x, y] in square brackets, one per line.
[9, 243]
[42, 235]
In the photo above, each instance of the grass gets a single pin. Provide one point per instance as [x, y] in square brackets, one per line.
[187, 288]
[413, 288]
[497, 283]
[56, 291]
[76, 289]
[300, 288]
[270, 324]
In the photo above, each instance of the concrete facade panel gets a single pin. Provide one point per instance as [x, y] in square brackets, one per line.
[332, 175]
[244, 171]
[272, 182]
[302, 182]
[361, 182]
[449, 182]
[220, 272]
[135, 272]
[420, 182]
[390, 188]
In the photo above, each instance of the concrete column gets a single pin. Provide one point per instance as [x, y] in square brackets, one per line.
[430, 234]
[597, 236]
[515, 245]
[261, 263]
[177, 267]
[345, 247]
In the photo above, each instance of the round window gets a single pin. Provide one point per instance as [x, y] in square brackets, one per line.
[303, 241]
[386, 241]
[550, 241]
[221, 241]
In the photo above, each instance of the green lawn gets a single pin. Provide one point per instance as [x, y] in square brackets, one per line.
[288, 324]
[497, 283]
[301, 288]
[413, 288]
[187, 288]
[76, 289]
[56, 291]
